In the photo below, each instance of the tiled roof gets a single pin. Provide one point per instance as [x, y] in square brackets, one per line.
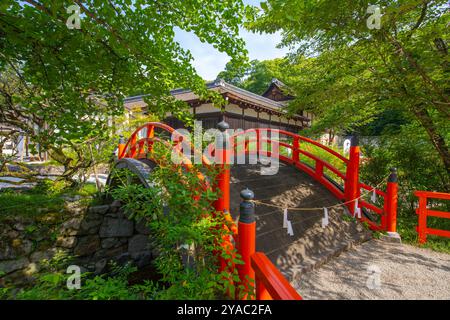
[227, 88]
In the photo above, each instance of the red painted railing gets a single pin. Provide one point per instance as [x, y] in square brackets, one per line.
[140, 143]
[270, 283]
[347, 191]
[423, 213]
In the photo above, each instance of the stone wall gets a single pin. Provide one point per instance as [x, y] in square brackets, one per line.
[93, 236]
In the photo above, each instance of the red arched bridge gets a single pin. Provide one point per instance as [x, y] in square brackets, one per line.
[300, 212]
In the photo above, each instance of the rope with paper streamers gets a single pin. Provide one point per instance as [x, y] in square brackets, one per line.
[373, 198]
[287, 224]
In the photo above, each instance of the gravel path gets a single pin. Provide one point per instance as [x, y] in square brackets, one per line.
[380, 270]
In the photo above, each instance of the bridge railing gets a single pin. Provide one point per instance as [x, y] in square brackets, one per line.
[423, 213]
[269, 281]
[342, 182]
[262, 140]
[270, 284]
[142, 139]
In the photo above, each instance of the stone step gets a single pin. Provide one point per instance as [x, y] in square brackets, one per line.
[311, 245]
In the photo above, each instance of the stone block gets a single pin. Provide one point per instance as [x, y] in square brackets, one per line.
[111, 228]
[87, 245]
[392, 237]
[66, 242]
[99, 209]
[40, 256]
[73, 223]
[108, 243]
[91, 224]
[110, 254]
[13, 265]
[6, 252]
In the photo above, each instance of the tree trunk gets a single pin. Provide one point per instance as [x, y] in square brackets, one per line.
[436, 138]
[94, 167]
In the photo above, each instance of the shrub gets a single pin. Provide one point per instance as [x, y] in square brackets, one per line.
[185, 226]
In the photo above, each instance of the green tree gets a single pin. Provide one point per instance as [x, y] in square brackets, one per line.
[235, 74]
[257, 75]
[358, 72]
[70, 83]
[262, 73]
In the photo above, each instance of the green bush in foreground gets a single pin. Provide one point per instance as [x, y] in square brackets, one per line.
[51, 284]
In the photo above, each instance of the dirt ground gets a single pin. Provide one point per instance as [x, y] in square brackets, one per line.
[380, 270]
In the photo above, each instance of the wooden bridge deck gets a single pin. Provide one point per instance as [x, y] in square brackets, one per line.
[311, 244]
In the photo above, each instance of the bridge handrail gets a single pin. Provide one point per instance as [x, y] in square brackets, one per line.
[293, 135]
[432, 195]
[270, 279]
[306, 153]
[368, 188]
[150, 126]
[270, 283]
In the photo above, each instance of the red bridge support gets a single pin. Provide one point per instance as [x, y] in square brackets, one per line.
[351, 187]
[391, 201]
[222, 155]
[257, 269]
[246, 238]
[121, 148]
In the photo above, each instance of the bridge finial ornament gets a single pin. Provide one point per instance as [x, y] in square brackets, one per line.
[223, 126]
[247, 207]
[354, 140]
[393, 176]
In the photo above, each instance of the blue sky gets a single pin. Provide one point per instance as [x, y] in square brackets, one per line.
[209, 62]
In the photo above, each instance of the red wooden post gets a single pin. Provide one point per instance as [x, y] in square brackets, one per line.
[246, 238]
[121, 147]
[223, 178]
[296, 151]
[319, 170]
[392, 199]
[141, 148]
[258, 141]
[222, 204]
[150, 135]
[133, 145]
[261, 291]
[351, 188]
[422, 227]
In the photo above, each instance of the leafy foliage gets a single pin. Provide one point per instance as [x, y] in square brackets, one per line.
[350, 74]
[62, 86]
[257, 75]
[51, 284]
[418, 169]
[46, 197]
[185, 226]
